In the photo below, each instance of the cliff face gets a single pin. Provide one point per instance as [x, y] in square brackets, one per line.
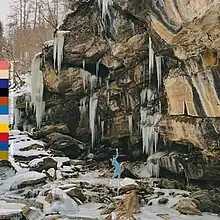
[152, 58]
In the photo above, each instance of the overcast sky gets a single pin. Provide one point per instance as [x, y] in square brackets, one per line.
[4, 10]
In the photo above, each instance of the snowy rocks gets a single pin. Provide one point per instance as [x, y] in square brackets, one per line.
[25, 179]
[11, 211]
[170, 184]
[49, 129]
[187, 207]
[44, 163]
[209, 200]
[76, 193]
[62, 203]
[68, 145]
[163, 200]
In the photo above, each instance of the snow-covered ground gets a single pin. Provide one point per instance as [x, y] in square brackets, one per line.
[14, 186]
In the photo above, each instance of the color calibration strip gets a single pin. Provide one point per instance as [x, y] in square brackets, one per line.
[4, 114]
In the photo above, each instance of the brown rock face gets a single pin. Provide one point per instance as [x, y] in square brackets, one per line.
[183, 32]
[187, 207]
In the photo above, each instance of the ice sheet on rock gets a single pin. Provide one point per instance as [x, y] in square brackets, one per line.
[10, 208]
[34, 163]
[127, 181]
[13, 182]
[62, 203]
[61, 160]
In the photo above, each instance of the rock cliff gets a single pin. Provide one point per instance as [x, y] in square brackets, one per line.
[140, 75]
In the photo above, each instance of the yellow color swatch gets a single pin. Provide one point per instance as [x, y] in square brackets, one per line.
[4, 128]
[4, 155]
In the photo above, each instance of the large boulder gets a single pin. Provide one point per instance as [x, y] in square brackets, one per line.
[209, 200]
[44, 163]
[68, 145]
[187, 207]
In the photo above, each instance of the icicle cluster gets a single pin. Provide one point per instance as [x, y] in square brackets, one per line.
[37, 89]
[58, 48]
[104, 7]
[149, 119]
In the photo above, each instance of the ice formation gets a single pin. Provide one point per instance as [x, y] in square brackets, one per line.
[17, 118]
[158, 65]
[82, 105]
[130, 124]
[163, 159]
[151, 58]
[84, 75]
[58, 48]
[104, 7]
[92, 114]
[62, 203]
[147, 123]
[37, 89]
[102, 126]
[93, 82]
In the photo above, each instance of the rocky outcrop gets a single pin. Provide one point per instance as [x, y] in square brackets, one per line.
[121, 106]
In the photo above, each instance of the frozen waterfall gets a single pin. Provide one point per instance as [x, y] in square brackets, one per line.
[37, 89]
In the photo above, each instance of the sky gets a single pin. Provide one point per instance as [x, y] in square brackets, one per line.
[4, 10]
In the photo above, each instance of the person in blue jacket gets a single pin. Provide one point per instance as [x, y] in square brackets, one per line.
[115, 163]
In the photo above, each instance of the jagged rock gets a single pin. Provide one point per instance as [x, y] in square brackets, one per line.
[187, 207]
[76, 193]
[163, 200]
[49, 129]
[164, 216]
[109, 209]
[44, 163]
[128, 206]
[209, 200]
[169, 184]
[126, 170]
[69, 146]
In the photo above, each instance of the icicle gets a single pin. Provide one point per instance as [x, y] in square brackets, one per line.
[108, 97]
[37, 89]
[107, 84]
[97, 67]
[84, 75]
[102, 126]
[151, 58]
[17, 118]
[130, 124]
[143, 95]
[82, 105]
[84, 64]
[133, 27]
[93, 82]
[154, 169]
[92, 114]
[58, 48]
[158, 65]
[103, 5]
